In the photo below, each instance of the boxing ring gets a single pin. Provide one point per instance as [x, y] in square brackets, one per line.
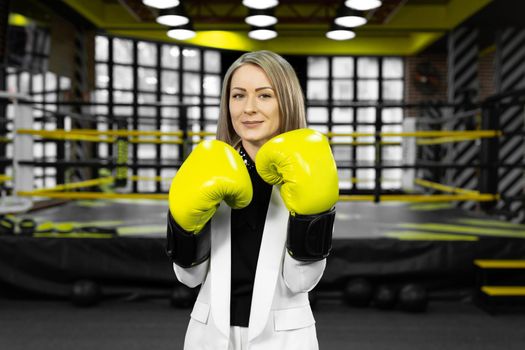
[120, 244]
[85, 231]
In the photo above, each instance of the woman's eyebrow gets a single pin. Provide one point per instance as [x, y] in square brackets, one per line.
[263, 88]
[257, 89]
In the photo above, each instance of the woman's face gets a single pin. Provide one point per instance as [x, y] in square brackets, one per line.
[253, 104]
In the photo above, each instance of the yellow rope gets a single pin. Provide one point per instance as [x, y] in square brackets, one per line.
[156, 141]
[149, 178]
[422, 134]
[419, 134]
[65, 135]
[441, 140]
[421, 198]
[76, 185]
[384, 143]
[94, 182]
[353, 198]
[201, 133]
[94, 195]
[125, 132]
[89, 136]
[362, 180]
[444, 188]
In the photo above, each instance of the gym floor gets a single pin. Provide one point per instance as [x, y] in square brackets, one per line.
[152, 324]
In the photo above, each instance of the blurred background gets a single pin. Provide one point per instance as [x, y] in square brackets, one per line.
[422, 102]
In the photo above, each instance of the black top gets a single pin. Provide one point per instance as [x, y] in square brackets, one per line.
[247, 227]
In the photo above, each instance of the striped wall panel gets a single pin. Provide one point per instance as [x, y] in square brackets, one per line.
[429, 154]
[511, 76]
[79, 150]
[463, 84]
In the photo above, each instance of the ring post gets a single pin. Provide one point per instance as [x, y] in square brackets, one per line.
[23, 176]
[409, 149]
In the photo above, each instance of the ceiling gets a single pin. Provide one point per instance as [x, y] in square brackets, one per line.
[399, 27]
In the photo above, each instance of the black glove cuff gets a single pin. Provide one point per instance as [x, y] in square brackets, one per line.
[187, 249]
[310, 236]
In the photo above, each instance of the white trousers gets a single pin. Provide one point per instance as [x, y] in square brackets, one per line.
[238, 338]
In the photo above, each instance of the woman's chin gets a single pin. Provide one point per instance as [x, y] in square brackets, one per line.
[251, 140]
[253, 137]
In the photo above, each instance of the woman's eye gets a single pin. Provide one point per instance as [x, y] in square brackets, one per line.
[237, 96]
[265, 96]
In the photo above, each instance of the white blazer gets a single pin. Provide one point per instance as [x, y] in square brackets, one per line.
[280, 315]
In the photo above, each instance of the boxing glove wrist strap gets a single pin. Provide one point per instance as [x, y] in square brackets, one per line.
[310, 236]
[187, 249]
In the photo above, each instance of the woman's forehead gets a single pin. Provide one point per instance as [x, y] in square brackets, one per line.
[250, 74]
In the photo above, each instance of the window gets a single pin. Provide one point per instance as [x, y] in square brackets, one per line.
[343, 95]
[151, 81]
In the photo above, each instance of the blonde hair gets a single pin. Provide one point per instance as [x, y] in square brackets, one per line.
[287, 88]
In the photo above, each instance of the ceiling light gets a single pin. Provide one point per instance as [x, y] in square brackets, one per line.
[263, 33]
[150, 80]
[349, 18]
[261, 18]
[173, 17]
[363, 5]
[338, 32]
[189, 53]
[183, 32]
[161, 4]
[174, 51]
[260, 4]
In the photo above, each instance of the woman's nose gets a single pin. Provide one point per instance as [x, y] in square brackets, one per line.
[251, 106]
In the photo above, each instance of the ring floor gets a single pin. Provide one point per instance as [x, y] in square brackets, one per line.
[152, 324]
[435, 244]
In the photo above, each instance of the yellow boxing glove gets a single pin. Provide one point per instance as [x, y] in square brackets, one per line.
[302, 161]
[213, 172]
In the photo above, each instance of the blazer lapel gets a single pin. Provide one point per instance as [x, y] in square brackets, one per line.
[268, 264]
[220, 269]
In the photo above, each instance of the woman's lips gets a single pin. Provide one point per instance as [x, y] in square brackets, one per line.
[252, 124]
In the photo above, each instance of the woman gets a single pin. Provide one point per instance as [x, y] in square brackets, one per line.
[258, 256]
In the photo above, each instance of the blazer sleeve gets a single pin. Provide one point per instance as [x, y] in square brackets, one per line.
[308, 243]
[189, 252]
[302, 276]
[192, 276]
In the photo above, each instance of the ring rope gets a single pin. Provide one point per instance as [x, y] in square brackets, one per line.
[156, 141]
[353, 198]
[94, 195]
[76, 185]
[444, 188]
[95, 182]
[68, 135]
[423, 134]
[150, 178]
[441, 140]
[4, 178]
[356, 180]
[356, 143]
[482, 197]
[107, 132]
[65, 135]
[417, 134]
